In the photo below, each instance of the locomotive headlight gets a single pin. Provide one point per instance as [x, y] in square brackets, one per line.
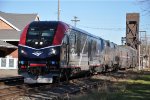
[23, 52]
[52, 51]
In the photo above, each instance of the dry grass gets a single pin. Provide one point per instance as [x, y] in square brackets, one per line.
[135, 85]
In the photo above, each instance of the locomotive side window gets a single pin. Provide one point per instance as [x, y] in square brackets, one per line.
[72, 43]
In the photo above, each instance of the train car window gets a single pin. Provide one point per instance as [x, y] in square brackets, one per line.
[99, 45]
[84, 43]
[107, 43]
[115, 46]
[112, 45]
[78, 43]
[102, 44]
[89, 48]
[94, 49]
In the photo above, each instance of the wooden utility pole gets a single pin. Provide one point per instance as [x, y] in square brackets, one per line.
[75, 20]
[58, 10]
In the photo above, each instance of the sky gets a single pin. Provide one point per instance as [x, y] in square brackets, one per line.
[104, 18]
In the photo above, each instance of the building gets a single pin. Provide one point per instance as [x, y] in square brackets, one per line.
[11, 25]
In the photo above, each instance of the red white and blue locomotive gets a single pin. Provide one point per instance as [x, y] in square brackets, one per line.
[52, 49]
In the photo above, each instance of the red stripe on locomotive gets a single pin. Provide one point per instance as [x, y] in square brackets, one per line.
[23, 36]
[61, 29]
[37, 65]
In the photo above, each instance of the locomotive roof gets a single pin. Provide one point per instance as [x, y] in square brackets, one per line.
[85, 32]
[58, 22]
[43, 23]
[67, 26]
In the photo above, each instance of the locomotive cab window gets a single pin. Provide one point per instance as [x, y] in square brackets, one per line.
[39, 37]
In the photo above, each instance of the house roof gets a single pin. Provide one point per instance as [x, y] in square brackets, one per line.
[17, 21]
[7, 45]
[10, 35]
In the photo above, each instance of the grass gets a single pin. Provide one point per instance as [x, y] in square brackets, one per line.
[131, 88]
[138, 88]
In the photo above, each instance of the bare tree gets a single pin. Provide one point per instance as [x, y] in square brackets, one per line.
[145, 6]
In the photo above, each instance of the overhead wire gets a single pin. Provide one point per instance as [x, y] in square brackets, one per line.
[102, 28]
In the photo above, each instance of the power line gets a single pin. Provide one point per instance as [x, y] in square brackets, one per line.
[110, 28]
[102, 28]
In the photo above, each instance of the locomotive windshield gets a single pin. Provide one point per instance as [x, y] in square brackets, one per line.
[40, 37]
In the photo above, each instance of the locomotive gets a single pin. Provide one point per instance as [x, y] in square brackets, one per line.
[49, 50]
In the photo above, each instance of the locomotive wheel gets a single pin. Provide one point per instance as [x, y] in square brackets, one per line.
[116, 67]
[56, 79]
[66, 73]
[105, 68]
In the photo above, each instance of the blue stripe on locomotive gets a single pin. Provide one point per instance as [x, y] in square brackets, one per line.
[37, 53]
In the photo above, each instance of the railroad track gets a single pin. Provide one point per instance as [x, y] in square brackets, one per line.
[57, 91]
[61, 91]
[10, 92]
[10, 87]
[11, 80]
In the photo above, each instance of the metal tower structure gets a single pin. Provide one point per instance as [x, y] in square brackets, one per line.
[132, 30]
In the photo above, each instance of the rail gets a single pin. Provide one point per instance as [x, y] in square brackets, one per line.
[11, 88]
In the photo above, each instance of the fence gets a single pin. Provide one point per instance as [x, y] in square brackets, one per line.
[8, 63]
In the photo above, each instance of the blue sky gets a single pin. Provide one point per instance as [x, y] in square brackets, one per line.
[104, 18]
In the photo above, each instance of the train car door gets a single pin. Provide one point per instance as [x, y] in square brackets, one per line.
[90, 50]
[83, 50]
[73, 54]
[64, 55]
